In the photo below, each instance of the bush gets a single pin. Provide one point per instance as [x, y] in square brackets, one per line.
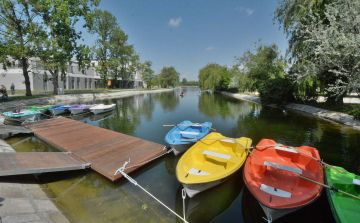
[276, 91]
[355, 113]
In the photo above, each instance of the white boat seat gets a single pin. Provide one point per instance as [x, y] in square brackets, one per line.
[219, 155]
[189, 133]
[274, 191]
[356, 181]
[194, 171]
[286, 149]
[283, 167]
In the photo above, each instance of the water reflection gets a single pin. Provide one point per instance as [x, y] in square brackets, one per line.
[85, 196]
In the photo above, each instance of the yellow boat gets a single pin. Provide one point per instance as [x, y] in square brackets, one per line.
[211, 161]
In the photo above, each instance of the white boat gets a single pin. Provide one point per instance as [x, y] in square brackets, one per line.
[101, 108]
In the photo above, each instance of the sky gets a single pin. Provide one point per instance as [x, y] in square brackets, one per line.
[188, 35]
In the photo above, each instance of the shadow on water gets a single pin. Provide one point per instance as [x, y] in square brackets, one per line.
[209, 204]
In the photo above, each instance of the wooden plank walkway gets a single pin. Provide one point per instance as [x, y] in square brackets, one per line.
[106, 150]
[27, 163]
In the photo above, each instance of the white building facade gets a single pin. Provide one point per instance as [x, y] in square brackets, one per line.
[74, 78]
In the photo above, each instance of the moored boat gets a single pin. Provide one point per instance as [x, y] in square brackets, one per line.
[346, 209]
[212, 160]
[186, 130]
[101, 108]
[59, 109]
[78, 109]
[22, 115]
[42, 109]
[273, 180]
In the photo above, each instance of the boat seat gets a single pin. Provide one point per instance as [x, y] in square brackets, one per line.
[219, 155]
[356, 181]
[286, 149]
[283, 167]
[274, 191]
[189, 133]
[197, 172]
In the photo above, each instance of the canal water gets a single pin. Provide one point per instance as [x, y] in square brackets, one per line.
[85, 196]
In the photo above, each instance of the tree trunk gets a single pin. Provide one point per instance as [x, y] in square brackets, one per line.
[26, 76]
[333, 100]
[55, 77]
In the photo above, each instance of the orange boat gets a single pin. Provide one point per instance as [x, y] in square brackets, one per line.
[273, 177]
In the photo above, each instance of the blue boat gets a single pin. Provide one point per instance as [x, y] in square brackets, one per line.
[22, 116]
[186, 130]
[59, 109]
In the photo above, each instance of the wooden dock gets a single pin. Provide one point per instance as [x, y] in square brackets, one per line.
[104, 149]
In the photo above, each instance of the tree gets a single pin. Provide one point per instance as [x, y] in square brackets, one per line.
[258, 67]
[335, 49]
[57, 41]
[147, 73]
[169, 77]
[102, 24]
[184, 82]
[18, 32]
[289, 13]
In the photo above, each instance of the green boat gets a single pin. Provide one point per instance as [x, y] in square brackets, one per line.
[42, 109]
[345, 208]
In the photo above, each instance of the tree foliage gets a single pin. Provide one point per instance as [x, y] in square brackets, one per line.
[169, 77]
[147, 73]
[214, 77]
[335, 49]
[258, 66]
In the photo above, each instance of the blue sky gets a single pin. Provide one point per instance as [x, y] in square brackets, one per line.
[190, 34]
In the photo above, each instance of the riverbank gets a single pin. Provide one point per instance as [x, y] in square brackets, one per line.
[338, 117]
[73, 97]
[21, 198]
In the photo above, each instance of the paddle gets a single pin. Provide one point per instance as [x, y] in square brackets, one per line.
[191, 124]
[330, 187]
[224, 140]
[293, 148]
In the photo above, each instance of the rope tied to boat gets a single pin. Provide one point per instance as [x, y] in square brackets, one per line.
[121, 171]
[334, 189]
[269, 218]
[169, 151]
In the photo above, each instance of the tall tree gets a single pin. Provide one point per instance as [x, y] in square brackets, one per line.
[57, 41]
[18, 32]
[147, 73]
[335, 47]
[169, 77]
[261, 65]
[289, 13]
[102, 24]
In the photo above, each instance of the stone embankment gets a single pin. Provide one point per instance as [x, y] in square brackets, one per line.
[318, 112]
[53, 100]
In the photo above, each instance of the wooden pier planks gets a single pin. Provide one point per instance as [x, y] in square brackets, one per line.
[41, 162]
[106, 150]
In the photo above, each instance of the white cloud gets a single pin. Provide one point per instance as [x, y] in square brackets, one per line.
[175, 22]
[210, 48]
[249, 11]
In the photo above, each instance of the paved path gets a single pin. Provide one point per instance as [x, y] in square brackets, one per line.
[318, 112]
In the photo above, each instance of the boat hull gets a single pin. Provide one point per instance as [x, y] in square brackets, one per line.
[98, 109]
[344, 208]
[193, 189]
[58, 111]
[177, 149]
[272, 177]
[210, 162]
[79, 111]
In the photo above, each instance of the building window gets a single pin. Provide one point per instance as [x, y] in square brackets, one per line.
[85, 83]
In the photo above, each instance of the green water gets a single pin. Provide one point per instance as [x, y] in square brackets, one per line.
[85, 196]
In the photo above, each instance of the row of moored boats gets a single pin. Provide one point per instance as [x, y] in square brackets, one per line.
[282, 178]
[34, 112]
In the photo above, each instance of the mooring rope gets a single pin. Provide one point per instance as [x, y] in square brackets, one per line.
[169, 151]
[122, 169]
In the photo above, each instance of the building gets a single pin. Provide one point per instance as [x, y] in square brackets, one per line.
[74, 78]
